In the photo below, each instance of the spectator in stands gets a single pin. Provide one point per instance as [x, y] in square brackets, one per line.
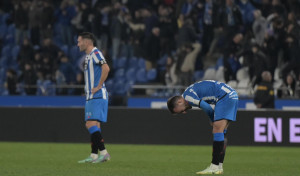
[298, 87]
[76, 21]
[170, 75]
[29, 77]
[47, 20]
[264, 93]
[271, 49]
[137, 28]
[67, 69]
[278, 8]
[150, 20]
[264, 6]
[259, 27]
[47, 68]
[11, 82]
[52, 51]
[64, 16]
[287, 90]
[152, 48]
[168, 29]
[26, 53]
[231, 50]
[292, 55]
[187, 33]
[257, 62]
[79, 82]
[37, 62]
[21, 21]
[116, 29]
[230, 19]
[210, 20]
[34, 16]
[105, 22]
[188, 65]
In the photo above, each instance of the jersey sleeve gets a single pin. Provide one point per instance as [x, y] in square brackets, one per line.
[191, 97]
[98, 58]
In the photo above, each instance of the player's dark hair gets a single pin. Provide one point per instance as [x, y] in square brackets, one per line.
[172, 103]
[88, 35]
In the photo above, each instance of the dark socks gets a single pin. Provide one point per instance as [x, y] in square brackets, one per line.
[97, 142]
[224, 148]
[218, 145]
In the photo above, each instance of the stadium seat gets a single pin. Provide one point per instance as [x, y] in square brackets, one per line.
[141, 63]
[119, 88]
[3, 30]
[11, 29]
[277, 74]
[49, 88]
[220, 74]
[198, 75]
[119, 74]
[128, 86]
[2, 74]
[15, 52]
[141, 75]
[276, 85]
[232, 83]
[133, 63]
[151, 74]
[131, 74]
[3, 62]
[244, 88]
[210, 74]
[220, 62]
[109, 85]
[121, 62]
[162, 61]
[65, 49]
[74, 53]
[6, 51]
[40, 88]
[243, 74]
[4, 17]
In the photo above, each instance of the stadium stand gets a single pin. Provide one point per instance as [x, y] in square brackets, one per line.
[138, 39]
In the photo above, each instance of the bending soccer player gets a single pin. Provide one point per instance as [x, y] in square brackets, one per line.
[95, 73]
[203, 94]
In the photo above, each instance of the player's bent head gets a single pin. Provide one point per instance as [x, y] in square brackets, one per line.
[172, 102]
[88, 35]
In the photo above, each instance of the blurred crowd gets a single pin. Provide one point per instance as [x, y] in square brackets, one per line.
[182, 40]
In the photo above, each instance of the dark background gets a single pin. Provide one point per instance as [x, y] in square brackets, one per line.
[132, 126]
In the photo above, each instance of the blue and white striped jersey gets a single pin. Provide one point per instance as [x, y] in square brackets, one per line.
[92, 74]
[210, 91]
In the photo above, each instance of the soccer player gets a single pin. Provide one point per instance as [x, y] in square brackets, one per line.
[203, 94]
[95, 73]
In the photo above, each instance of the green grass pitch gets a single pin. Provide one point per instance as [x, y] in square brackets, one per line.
[60, 159]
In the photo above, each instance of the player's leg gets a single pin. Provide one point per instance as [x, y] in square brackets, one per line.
[218, 144]
[102, 117]
[95, 111]
[104, 155]
[93, 129]
[224, 148]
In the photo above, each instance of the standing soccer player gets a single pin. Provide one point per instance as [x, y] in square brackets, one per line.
[203, 94]
[95, 73]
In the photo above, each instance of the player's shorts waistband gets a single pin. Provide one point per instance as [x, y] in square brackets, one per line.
[93, 99]
[222, 97]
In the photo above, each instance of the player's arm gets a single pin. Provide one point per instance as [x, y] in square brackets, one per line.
[104, 74]
[207, 109]
[194, 100]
